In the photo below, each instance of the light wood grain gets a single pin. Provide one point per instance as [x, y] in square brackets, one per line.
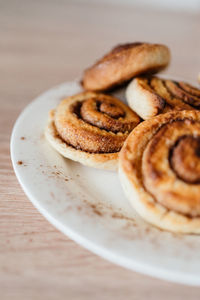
[43, 43]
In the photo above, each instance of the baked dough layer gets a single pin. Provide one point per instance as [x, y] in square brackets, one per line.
[158, 193]
[91, 128]
[107, 161]
[123, 63]
[150, 96]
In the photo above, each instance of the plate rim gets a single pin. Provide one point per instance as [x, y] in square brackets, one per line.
[150, 270]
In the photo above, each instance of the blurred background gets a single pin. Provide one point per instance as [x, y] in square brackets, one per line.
[46, 42]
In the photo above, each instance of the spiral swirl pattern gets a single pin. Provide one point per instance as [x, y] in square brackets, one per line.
[149, 96]
[160, 168]
[95, 123]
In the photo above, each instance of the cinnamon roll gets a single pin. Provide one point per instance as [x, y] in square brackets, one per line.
[91, 128]
[123, 63]
[149, 96]
[159, 167]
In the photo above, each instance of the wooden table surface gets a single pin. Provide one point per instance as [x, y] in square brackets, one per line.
[44, 43]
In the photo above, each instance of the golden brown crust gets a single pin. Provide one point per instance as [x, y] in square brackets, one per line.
[186, 168]
[91, 123]
[123, 63]
[170, 95]
[189, 88]
[144, 99]
[106, 161]
[95, 123]
[152, 162]
[186, 96]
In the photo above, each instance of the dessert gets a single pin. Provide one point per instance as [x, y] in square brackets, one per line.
[149, 96]
[159, 167]
[124, 62]
[91, 128]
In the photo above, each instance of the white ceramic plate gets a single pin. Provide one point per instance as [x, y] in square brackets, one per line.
[88, 204]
